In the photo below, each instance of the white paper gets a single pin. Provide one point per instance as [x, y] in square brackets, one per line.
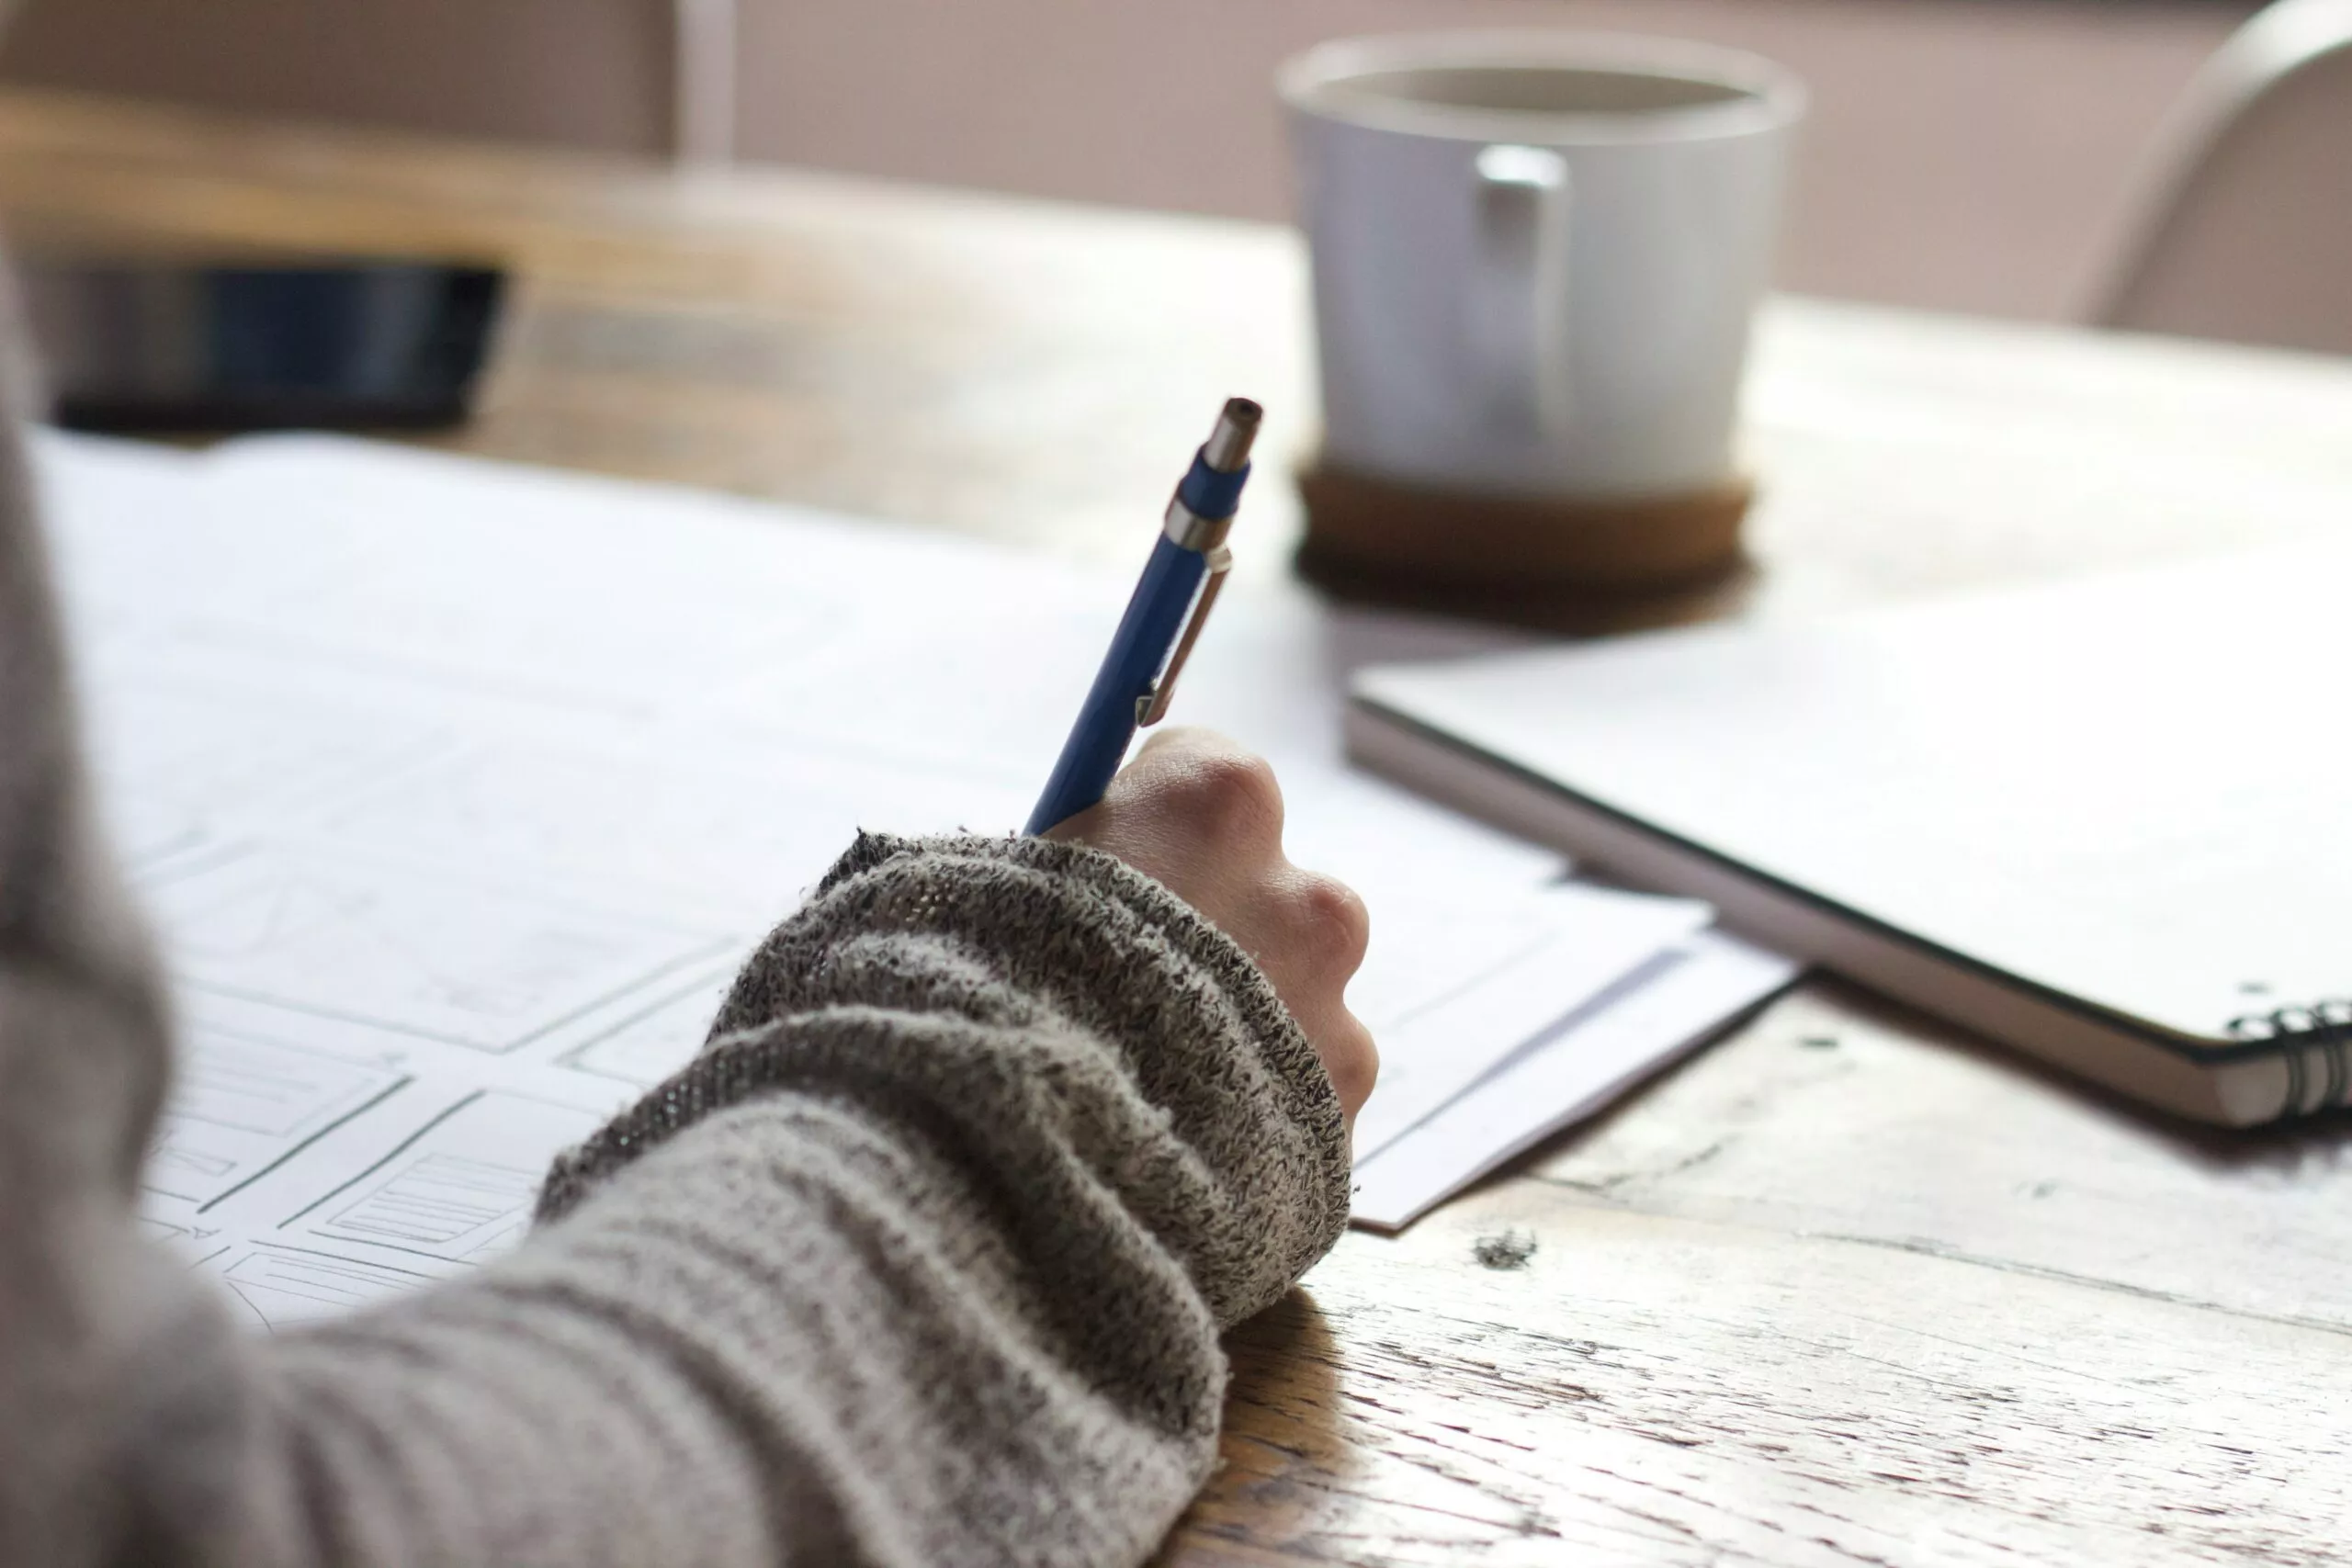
[1530, 964]
[1588, 1061]
[457, 793]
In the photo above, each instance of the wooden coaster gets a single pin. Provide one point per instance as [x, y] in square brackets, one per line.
[1513, 557]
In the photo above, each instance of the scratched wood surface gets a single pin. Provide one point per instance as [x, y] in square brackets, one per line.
[1846, 1289]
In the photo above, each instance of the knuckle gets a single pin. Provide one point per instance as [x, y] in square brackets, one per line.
[1352, 1060]
[1233, 792]
[1338, 924]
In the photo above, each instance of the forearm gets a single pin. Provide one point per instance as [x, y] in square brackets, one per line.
[787, 1337]
[923, 1263]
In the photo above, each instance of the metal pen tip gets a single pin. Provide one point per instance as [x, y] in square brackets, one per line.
[1227, 448]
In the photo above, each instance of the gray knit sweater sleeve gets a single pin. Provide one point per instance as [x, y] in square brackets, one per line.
[922, 1262]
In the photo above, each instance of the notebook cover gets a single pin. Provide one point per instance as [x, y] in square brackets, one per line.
[2129, 791]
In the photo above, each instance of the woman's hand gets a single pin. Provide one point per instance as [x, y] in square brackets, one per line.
[1205, 818]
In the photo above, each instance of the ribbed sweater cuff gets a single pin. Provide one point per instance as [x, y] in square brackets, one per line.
[1045, 936]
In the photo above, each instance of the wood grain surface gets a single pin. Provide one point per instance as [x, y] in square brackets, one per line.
[1846, 1289]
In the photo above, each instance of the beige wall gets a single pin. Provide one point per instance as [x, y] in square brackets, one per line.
[1969, 155]
[588, 73]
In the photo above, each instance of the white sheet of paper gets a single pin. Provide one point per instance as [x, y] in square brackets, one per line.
[1590, 1060]
[459, 792]
[1535, 961]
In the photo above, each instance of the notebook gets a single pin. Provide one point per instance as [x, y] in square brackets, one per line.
[2107, 822]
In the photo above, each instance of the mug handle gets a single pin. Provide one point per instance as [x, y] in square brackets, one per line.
[1518, 303]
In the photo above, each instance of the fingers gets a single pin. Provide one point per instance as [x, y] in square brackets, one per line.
[1322, 929]
[1204, 818]
[1346, 1049]
[1336, 923]
[1185, 790]
[1214, 786]
[1325, 930]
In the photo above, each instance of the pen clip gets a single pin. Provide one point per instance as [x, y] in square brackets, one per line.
[1152, 706]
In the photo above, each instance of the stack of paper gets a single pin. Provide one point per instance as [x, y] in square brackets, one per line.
[459, 791]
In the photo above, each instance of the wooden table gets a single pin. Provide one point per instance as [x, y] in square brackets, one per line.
[1848, 1288]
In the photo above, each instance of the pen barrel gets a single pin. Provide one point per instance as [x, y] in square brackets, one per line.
[1106, 722]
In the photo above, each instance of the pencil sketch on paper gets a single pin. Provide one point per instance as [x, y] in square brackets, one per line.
[650, 1045]
[240, 1107]
[747, 839]
[460, 1190]
[182, 762]
[283, 1286]
[411, 949]
[456, 790]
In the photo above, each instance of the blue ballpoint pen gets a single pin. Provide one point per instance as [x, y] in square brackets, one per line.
[1164, 618]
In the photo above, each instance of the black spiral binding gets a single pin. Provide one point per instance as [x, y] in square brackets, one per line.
[2318, 1034]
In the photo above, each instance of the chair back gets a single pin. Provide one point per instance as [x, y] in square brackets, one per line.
[2244, 225]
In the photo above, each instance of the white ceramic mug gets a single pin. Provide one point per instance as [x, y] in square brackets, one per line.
[1537, 254]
